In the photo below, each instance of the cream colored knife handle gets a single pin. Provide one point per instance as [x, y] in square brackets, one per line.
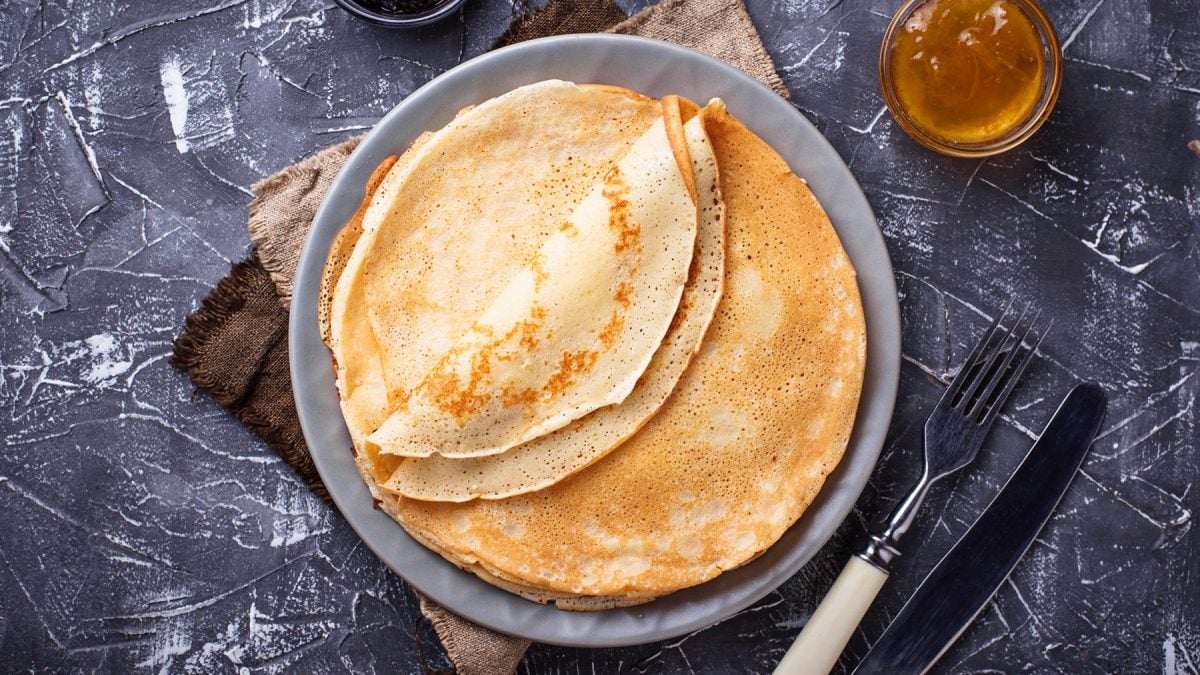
[829, 629]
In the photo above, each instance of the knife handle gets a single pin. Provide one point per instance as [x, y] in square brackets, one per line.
[825, 635]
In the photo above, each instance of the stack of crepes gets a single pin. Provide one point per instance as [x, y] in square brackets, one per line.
[592, 346]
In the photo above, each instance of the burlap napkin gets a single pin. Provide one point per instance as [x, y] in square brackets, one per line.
[235, 345]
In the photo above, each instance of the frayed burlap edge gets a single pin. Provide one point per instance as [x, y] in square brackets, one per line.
[491, 652]
[262, 226]
[214, 312]
[188, 356]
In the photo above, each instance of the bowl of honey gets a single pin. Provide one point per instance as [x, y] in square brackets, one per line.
[970, 78]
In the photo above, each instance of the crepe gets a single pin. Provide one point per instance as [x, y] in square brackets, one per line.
[463, 196]
[548, 459]
[741, 447]
[574, 329]
[742, 443]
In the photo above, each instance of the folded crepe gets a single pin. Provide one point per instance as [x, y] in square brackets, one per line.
[550, 458]
[451, 223]
[574, 330]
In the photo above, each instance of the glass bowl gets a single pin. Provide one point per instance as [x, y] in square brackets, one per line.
[409, 20]
[1041, 110]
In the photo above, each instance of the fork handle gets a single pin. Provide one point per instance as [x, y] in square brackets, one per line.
[825, 635]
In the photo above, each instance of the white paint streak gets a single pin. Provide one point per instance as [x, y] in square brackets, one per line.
[1170, 667]
[1141, 76]
[134, 30]
[1172, 664]
[1050, 165]
[1116, 260]
[107, 361]
[170, 644]
[1079, 28]
[871, 126]
[83, 145]
[177, 102]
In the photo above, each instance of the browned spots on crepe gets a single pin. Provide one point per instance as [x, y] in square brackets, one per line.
[615, 190]
[538, 266]
[622, 294]
[510, 396]
[448, 392]
[612, 330]
[446, 388]
[528, 329]
[570, 368]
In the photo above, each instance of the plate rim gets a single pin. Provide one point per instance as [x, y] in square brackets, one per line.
[656, 620]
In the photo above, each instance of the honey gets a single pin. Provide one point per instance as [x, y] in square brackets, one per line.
[967, 71]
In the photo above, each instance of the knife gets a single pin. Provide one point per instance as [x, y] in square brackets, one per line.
[961, 585]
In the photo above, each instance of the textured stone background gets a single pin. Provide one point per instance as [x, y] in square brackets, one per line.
[143, 528]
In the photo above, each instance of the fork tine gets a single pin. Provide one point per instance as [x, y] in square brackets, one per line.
[1000, 375]
[982, 375]
[1012, 381]
[960, 378]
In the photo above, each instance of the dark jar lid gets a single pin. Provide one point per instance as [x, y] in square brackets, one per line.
[401, 13]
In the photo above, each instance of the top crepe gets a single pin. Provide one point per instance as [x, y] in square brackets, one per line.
[453, 222]
[574, 330]
[550, 458]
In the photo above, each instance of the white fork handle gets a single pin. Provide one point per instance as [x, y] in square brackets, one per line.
[825, 635]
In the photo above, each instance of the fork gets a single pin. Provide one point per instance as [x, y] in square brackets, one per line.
[953, 434]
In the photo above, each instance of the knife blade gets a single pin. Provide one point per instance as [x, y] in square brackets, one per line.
[961, 585]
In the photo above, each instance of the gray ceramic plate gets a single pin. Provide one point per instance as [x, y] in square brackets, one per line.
[655, 68]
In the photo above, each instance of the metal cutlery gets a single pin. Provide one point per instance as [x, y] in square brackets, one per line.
[961, 585]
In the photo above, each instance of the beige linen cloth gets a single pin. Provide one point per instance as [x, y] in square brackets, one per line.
[235, 345]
